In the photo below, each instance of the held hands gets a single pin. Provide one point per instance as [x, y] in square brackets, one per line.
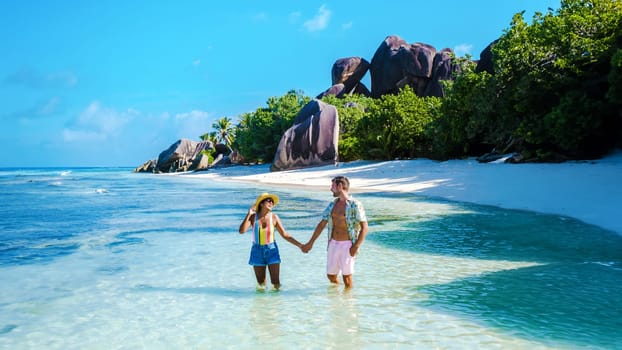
[305, 248]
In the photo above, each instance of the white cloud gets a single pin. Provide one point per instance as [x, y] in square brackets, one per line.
[463, 49]
[320, 21]
[97, 123]
[346, 26]
[193, 124]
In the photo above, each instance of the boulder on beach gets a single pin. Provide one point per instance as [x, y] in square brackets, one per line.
[311, 141]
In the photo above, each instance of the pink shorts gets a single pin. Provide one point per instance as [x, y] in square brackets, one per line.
[339, 258]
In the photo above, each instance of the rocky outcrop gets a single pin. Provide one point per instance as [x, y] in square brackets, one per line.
[349, 71]
[148, 167]
[200, 162]
[397, 63]
[337, 90]
[385, 69]
[485, 59]
[311, 141]
[346, 77]
[183, 155]
[187, 155]
[443, 68]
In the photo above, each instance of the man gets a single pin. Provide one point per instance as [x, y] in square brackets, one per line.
[347, 227]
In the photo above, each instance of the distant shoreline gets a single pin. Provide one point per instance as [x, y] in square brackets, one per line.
[589, 191]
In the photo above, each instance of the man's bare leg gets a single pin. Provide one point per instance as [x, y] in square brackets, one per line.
[347, 281]
[333, 279]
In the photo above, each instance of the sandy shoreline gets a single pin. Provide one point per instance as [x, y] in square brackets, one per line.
[590, 191]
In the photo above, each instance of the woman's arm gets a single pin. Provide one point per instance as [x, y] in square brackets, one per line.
[248, 219]
[284, 234]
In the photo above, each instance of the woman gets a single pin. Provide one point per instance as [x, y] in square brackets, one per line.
[265, 251]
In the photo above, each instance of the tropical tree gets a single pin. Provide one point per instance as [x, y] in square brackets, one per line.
[224, 131]
[469, 123]
[210, 136]
[551, 76]
[396, 126]
[350, 108]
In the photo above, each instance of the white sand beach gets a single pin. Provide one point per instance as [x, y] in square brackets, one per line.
[590, 191]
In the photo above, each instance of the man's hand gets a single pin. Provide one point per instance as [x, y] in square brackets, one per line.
[353, 250]
[306, 247]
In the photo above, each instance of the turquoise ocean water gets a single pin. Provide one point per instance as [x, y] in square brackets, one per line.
[102, 258]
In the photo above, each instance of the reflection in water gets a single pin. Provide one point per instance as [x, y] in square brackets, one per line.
[343, 319]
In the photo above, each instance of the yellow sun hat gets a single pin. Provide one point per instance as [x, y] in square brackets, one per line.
[265, 195]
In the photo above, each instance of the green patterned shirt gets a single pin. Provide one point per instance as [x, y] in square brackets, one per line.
[355, 214]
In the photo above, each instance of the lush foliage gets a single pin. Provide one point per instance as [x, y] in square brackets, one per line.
[551, 78]
[469, 124]
[258, 133]
[615, 78]
[350, 109]
[396, 126]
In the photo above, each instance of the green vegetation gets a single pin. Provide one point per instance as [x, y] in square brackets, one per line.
[556, 94]
[258, 134]
[395, 126]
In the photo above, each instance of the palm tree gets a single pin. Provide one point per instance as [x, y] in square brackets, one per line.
[224, 130]
[210, 136]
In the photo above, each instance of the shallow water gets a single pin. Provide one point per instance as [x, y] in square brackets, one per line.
[108, 259]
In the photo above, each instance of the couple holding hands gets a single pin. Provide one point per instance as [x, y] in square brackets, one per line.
[347, 227]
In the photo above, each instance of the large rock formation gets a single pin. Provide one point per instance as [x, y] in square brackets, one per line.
[485, 63]
[311, 141]
[147, 167]
[443, 68]
[385, 68]
[346, 76]
[182, 155]
[336, 90]
[397, 63]
[349, 71]
[186, 155]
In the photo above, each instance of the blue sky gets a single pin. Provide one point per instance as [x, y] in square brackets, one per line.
[113, 83]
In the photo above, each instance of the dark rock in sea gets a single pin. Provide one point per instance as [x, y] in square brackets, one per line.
[148, 167]
[181, 155]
